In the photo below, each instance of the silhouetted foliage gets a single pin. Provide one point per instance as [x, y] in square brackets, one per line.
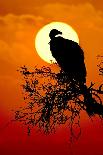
[100, 65]
[52, 100]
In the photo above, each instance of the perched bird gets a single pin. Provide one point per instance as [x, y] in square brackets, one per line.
[68, 55]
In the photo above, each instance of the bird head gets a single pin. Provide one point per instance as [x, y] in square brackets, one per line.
[53, 33]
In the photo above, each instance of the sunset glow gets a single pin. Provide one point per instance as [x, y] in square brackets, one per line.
[20, 22]
[42, 39]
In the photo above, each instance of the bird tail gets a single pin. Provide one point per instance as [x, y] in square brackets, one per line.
[92, 106]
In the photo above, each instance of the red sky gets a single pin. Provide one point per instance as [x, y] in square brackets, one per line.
[19, 23]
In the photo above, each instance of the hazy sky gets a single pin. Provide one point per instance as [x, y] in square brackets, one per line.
[21, 20]
[28, 6]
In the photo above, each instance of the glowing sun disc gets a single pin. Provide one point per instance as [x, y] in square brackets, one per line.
[42, 39]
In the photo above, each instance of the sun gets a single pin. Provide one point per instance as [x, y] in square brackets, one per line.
[42, 39]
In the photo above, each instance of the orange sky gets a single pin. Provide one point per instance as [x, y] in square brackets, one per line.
[29, 6]
[19, 23]
[20, 20]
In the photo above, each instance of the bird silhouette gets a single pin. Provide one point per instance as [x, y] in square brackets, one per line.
[70, 57]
